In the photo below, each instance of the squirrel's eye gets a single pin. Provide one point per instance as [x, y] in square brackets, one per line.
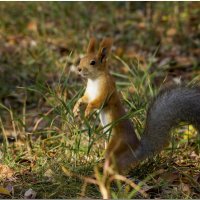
[92, 62]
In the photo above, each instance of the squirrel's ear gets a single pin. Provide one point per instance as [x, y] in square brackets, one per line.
[91, 46]
[104, 48]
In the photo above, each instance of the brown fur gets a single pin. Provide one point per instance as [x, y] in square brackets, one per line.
[123, 135]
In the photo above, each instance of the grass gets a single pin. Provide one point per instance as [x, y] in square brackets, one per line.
[56, 154]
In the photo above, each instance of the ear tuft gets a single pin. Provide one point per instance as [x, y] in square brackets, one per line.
[104, 48]
[91, 46]
[106, 43]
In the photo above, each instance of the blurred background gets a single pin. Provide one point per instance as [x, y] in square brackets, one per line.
[41, 43]
[38, 38]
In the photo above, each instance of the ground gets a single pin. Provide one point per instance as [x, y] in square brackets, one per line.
[43, 146]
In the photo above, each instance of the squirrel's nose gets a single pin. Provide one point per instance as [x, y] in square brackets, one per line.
[79, 69]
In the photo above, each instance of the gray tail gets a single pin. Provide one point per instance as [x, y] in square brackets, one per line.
[167, 110]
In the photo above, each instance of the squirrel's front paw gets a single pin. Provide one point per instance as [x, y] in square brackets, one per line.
[87, 111]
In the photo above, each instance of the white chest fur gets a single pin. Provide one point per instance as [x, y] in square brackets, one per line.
[93, 89]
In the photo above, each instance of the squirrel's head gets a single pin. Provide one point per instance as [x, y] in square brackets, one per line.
[94, 63]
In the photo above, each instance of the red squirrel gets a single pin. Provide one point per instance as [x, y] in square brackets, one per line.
[167, 110]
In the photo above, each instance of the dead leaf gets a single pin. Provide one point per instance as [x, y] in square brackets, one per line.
[184, 60]
[4, 191]
[171, 32]
[142, 25]
[119, 51]
[170, 177]
[5, 172]
[197, 178]
[48, 173]
[66, 171]
[194, 156]
[185, 188]
[30, 194]
[32, 26]
[131, 89]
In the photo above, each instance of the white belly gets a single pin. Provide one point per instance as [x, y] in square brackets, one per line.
[105, 120]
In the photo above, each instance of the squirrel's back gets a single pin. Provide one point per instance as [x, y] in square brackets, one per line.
[167, 110]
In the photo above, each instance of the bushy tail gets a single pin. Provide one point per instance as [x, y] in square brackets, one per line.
[169, 108]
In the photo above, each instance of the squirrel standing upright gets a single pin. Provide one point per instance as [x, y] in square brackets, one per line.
[168, 109]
